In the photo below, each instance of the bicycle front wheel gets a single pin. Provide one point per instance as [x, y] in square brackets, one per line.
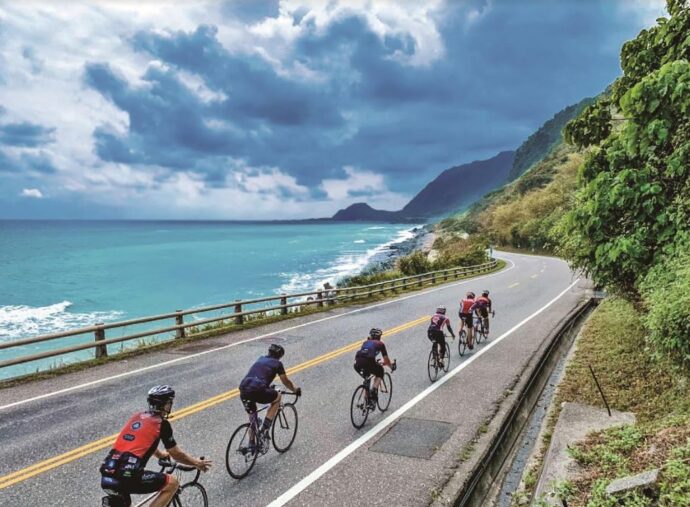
[462, 342]
[192, 495]
[241, 453]
[385, 392]
[432, 366]
[284, 429]
[359, 407]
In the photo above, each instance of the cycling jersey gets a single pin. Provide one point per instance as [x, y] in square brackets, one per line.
[262, 373]
[370, 348]
[122, 470]
[438, 321]
[466, 306]
[483, 302]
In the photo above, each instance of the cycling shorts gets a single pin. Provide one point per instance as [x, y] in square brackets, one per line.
[263, 395]
[146, 482]
[467, 319]
[367, 366]
[484, 312]
[435, 335]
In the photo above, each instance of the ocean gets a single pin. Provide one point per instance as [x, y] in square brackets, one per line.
[58, 275]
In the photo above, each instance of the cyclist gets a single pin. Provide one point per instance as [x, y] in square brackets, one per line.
[366, 364]
[123, 470]
[483, 304]
[256, 385]
[435, 331]
[465, 314]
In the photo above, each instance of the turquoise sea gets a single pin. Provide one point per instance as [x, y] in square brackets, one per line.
[57, 275]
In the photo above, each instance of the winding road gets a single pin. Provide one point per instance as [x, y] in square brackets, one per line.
[54, 433]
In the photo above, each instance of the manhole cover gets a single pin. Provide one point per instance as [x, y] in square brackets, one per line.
[415, 438]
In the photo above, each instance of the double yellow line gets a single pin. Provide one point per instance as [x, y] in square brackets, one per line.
[105, 442]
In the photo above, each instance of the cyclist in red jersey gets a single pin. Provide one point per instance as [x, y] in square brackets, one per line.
[465, 314]
[435, 331]
[123, 470]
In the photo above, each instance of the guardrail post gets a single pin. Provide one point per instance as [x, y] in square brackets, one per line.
[283, 302]
[179, 321]
[239, 320]
[419, 281]
[433, 279]
[319, 299]
[445, 276]
[101, 350]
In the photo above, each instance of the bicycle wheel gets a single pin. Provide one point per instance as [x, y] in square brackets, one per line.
[176, 501]
[385, 392]
[432, 366]
[193, 495]
[359, 407]
[446, 362]
[284, 429]
[462, 342]
[241, 454]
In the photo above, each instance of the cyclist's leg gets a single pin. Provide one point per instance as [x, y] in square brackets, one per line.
[377, 371]
[165, 493]
[112, 486]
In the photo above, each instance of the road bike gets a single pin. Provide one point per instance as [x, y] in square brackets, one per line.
[363, 400]
[248, 442]
[190, 493]
[434, 364]
[481, 327]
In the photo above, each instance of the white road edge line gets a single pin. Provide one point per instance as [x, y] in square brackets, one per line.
[344, 453]
[192, 356]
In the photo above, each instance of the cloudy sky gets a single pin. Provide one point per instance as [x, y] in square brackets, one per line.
[280, 109]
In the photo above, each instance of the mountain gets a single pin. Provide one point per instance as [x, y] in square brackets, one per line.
[539, 144]
[460, 186]
[362, 211]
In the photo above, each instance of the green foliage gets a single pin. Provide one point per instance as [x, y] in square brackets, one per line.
[414, 264]
[666, 292]
[675, 479]
[633, 200]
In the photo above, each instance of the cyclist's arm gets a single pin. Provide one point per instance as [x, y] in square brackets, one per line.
[161, 454]
[182, 457]
[450, 329]
[387, 362]
[287, 382]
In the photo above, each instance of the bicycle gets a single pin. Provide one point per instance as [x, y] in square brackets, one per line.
[362, 400]
[433, 364]
[194, 493]
[481, 326]
[248, 441]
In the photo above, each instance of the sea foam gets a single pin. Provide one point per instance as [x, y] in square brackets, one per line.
[21, 321]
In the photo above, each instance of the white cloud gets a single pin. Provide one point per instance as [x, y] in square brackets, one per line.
[33, 193]
[646, 10]
[271, 181]
[359, 185]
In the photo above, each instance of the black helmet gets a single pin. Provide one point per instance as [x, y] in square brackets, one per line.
[485, 292]
[441, 309]
[158, 396]
[276, 351]
[375, 333]
[470, 295]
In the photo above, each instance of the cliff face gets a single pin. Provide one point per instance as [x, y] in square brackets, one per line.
[362, 211]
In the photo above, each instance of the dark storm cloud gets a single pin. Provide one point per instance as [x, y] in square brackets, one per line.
[507, 68]
[25, 134]
[26, 162]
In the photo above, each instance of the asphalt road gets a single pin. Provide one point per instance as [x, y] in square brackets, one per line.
[51, 447]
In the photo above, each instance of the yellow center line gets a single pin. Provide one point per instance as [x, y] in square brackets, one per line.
[513, 285]
[102, 443]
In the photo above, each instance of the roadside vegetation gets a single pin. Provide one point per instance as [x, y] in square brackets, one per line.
[655, 388]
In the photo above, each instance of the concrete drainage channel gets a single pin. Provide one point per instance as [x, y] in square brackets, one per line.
[486, 484]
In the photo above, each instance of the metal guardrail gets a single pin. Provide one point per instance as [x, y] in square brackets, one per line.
[315, 298]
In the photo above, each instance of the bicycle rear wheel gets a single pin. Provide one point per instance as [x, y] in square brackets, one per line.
[462, 342]
[385, 392]
[432, 366]
[446, 362]
[192, 495]
[241, 453]
[359, 407]
[284, 429]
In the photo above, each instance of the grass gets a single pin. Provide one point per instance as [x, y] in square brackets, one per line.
[613, 342]
[216, 329]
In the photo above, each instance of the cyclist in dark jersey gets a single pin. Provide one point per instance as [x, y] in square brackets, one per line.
[483, 307]
[435, 331]
[256, 385]
[365, 360]
[123, 470]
